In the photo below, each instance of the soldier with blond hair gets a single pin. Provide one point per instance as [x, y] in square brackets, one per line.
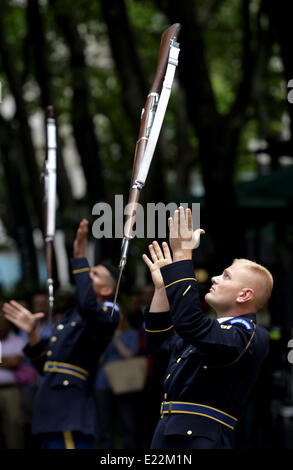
[213, 363]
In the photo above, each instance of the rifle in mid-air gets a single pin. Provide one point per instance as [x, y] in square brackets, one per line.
[49, 174]
[151, 122]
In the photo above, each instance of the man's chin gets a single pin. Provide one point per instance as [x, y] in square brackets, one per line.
[96, 291]
[208, 299]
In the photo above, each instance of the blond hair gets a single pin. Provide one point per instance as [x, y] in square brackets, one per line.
[265, 281]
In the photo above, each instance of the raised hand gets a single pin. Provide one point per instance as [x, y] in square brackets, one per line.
[159, 259]
[80, 242]
[181, 235]
[21, 317]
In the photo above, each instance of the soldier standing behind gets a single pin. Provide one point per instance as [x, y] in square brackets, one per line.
[64, 411]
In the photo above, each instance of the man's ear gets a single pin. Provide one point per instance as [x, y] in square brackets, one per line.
[106, 291]
[245, 295]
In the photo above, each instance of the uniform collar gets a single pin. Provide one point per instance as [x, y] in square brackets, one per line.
[247, 316]
[222, 319]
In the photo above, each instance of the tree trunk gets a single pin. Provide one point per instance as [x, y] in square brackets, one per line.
[218, 135]
[24, 131]
[82, 117]
[83, 120]
[18, 219]
[134, 88]
[43, 72]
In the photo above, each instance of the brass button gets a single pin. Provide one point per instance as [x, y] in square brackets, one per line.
[178, 360]
[165, 396]
[189, 432]
[73, 323]
[60, 327]
[205, 367]
[49, 353]
[65, 383]
[168, 376]
[53, 339]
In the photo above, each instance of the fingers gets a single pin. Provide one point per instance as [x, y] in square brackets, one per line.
[158, 250]
[8, 308]
[166, 250]
[15, 304]
[14, 308]
[197, 234]
[174, 224]
[157, 254]
[12, 318]
[189, 219]
[18, 307]
[147, 261]
[153, 253]
[178, 224]
[176, 217]
[39, 315]
[84, 223]
[182, 220]
[173, 229]
[82, 230]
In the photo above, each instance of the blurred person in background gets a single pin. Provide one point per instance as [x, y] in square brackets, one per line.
[11, 419]
[38, 303]
[117, 409]
[146, 416]
[146, 296]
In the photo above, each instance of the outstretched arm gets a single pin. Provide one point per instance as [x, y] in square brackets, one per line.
[182, 241]
[80, 268]
[159, 259]
[220, 344]
[159, 329]
[90, 308]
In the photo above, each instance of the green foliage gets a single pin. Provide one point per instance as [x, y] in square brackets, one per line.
[223, 37]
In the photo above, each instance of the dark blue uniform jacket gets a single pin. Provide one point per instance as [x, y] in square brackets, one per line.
[198, 370]
[69, 360]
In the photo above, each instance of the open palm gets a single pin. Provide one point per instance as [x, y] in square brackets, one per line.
[159, 259]
[182, 236]
[20, 316]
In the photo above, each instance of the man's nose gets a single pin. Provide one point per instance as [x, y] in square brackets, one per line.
[215, 279]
